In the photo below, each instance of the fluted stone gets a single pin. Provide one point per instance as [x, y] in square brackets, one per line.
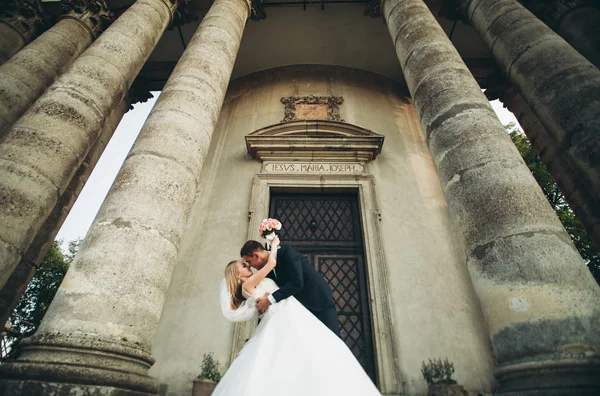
[14, 288]
[539, 300]
[46, 146]
[561, 87]
[28, 73]
[131, 248]
[573, 188]
[21, 21]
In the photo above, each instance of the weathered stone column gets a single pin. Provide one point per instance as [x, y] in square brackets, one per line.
[573, 188]
[577, 21]
[14, 288]
[539, 300]
[581, 28]
[45, 147]
[561, 87]
[105, 313]
[21, 21]
[28, 73]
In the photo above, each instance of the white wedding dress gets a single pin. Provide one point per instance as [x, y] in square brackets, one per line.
[293, 354]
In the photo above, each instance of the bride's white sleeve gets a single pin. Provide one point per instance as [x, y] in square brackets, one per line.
[246, 311]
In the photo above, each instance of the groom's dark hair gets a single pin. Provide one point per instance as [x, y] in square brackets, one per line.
[251, 247]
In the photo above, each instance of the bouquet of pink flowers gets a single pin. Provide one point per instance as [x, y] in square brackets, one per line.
[269, 228]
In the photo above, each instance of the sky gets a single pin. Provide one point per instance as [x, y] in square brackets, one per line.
[89, 201]
[87, 205]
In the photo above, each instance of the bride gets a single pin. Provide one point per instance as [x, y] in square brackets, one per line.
[292, 352]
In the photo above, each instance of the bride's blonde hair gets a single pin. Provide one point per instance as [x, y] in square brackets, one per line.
[234, 285]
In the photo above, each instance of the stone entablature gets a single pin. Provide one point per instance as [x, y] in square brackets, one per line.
[314, 140]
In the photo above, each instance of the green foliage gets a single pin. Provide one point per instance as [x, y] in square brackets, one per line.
[31, 308]
[437, 371]
[209, 368]
[557, 200]
[73, 249]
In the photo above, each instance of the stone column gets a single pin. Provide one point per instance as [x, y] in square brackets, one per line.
[573, 188]
[581, 28]
[106, 311]
[539, 300]
[21, 21]
[561, 87]
[41, 152]
[14, 288]
[577, 21]
[28, 73]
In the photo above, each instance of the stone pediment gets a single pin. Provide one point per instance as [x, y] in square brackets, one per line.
[314, 140]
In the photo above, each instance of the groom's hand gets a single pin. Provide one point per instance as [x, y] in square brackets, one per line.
[262, 303]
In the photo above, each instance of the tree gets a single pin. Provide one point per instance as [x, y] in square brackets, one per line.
[557, 200]
[31, 308]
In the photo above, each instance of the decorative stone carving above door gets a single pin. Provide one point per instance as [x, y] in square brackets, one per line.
[312, 108]
[314, 140]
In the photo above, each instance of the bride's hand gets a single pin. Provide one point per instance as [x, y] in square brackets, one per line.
[275, 242]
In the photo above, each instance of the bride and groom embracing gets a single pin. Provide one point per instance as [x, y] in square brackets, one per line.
[296, 349]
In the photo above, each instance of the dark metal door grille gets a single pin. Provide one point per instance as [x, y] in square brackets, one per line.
[326, 229]
[310, 219]
[343, 274]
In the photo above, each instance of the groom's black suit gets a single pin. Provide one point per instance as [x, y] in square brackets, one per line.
[297, 277]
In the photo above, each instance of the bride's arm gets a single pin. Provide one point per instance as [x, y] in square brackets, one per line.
[255, 279]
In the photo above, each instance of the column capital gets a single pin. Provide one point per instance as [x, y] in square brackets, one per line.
[181, 15]
[25, 17]
[257, 11]
[172, 6]
[94, 15]
[139, 92]
[497, 87]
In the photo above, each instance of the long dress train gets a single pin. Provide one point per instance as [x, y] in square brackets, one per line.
[293, 354]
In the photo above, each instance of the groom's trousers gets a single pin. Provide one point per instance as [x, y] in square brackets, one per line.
[329, 318]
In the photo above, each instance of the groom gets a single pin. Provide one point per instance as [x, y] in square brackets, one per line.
[295, 277]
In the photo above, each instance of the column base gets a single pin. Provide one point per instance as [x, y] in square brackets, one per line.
[28, 387]
[557, 378]
[86, 364]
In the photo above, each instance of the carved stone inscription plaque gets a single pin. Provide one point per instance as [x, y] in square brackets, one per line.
[312, 112]
[313, 168]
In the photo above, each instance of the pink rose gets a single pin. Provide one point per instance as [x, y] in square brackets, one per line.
[269, 226]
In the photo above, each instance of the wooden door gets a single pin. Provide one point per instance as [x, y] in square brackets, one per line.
[326, 229]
